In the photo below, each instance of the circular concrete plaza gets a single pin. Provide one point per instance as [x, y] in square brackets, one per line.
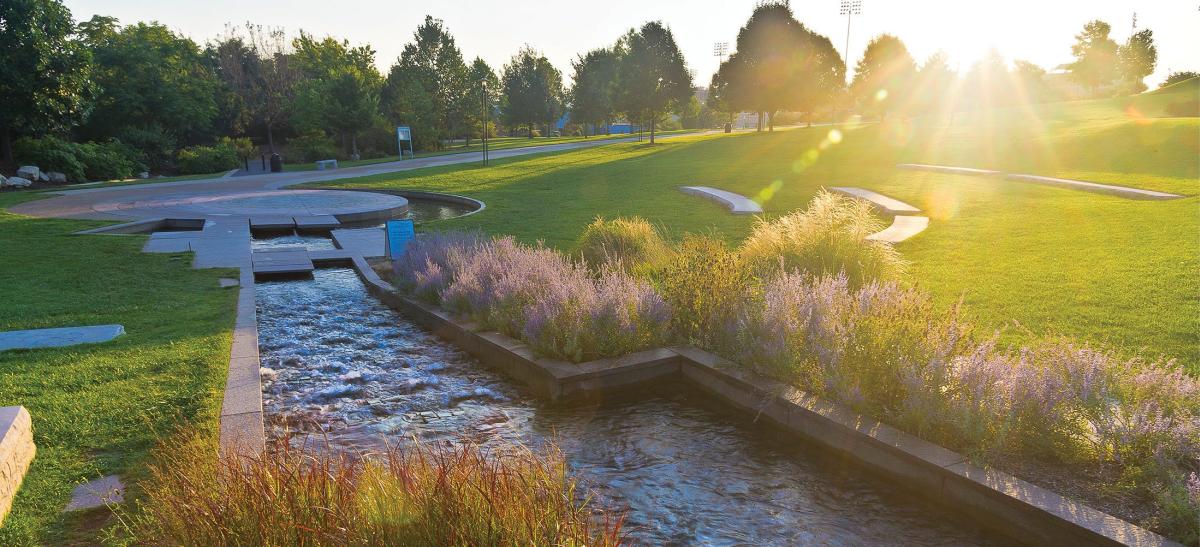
[263, 202]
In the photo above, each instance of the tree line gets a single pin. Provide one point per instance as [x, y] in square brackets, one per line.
[163, 100]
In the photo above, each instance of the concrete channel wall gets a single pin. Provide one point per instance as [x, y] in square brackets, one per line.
[1018, 509]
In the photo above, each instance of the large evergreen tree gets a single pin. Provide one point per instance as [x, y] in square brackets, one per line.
[44, 72]
[430, 87]
[486, 90]
[652, 78]
[340, 92]
[532, 90]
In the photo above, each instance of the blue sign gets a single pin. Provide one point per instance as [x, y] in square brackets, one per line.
[397, 234]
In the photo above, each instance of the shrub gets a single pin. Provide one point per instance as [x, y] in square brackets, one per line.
[312, 147]
[706, 285]
[50, 153]
[629, 243]
[827, 238]
[417, 496]
[156, 145]
[109, 160]
[207, 159]
[536, 294]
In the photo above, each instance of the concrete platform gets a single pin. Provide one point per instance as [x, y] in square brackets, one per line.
[367, 242]
[284, 260]
[881, 202]
[902, 228]
[58, 337]
[316, 222]
[737, 203]
[272, 222]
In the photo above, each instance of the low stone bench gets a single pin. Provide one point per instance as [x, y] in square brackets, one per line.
[326, 164]
[16, 451]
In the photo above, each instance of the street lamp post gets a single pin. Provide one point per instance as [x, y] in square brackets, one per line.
[486, 119]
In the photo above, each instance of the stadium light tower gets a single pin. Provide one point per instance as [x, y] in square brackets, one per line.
[720, 49]
[849, 8]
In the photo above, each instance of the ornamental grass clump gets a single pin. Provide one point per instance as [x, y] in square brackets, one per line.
[630, 243]
[828, 238]
[460, 495]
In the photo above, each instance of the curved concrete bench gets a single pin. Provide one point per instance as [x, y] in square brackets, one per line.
[737, 203]
[948, 169]
[1122, 191]
[902, 228]
[885, 204]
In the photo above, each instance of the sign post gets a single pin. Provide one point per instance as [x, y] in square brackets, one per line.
[396, 235]
[403, 136]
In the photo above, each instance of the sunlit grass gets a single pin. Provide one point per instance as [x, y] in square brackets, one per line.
[1103, 268]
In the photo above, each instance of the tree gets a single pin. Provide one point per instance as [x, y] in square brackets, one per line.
[1095, 54]
[44, 72]
[157, 91]
[883, 76]
[341, 91]
[652, 78]
[1030, 81]
[988, 83]
[1137, 59]
[257, 68]
[779, 65]
[594, 85]
[934, 84]
[432, 66]
[1176, 77]
[486, 92]
[532, 90]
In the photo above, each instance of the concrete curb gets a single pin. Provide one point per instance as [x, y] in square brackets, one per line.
[242, 429]
[993, 498]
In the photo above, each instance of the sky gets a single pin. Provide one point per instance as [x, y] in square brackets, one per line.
[1040, 31]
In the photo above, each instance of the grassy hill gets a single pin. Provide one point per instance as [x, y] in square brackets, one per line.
[1026, 259]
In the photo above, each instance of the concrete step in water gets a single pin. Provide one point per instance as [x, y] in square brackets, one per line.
[284, 260]
[272, 222]
[316, 222]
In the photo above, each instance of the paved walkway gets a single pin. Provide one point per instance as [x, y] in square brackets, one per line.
[153, 200]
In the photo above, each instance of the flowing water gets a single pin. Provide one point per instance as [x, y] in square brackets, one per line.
[687, 470]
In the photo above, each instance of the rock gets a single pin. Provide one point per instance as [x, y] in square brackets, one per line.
[143, 175]
[3, 181]
[56, 177]
[30, 172]
[19, 182]
[42, 177]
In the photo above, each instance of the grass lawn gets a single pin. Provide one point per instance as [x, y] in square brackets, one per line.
[1025, 258]
[496, 143]
[98, 410]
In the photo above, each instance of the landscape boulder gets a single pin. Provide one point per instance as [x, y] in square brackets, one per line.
[56, 177]
[30, 172]
[143, 175]
[3, 181]
[42, 177]
[19, 182]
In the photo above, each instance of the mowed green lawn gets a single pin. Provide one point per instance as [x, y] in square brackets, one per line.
[1026, 259]
[99, 409]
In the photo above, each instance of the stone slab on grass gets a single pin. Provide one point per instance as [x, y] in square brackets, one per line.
[1122, 191]
[737, 203]
[16, 452]
[226, 282]
[58, 337]
[97, 493]
[902, 228]
[885, 204]
[948, 169]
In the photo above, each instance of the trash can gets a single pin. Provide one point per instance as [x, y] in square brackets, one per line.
[729, 128]
[276, 163]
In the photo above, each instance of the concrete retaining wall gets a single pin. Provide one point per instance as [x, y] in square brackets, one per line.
[16, 452]
[1013, 507]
